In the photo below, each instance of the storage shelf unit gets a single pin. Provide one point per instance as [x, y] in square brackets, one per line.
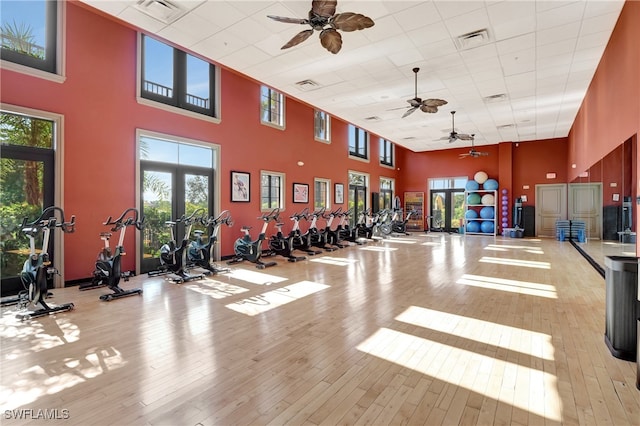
[477, 207]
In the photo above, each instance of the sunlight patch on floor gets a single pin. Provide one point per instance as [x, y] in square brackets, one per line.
[272, 299]
[339, 261]
[215, 289]
[506, 382]
[43, 335]
[57, 375]
[400, 241]
[512, 286]
[255, 277]
[516, 262]
[486, 332]
[381, 249]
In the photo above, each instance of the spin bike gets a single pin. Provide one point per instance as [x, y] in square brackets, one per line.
[37, 270]
[200, 252]
[173, 257]
[109, 266]
[300, 241]
[283, 245]
[251, 250]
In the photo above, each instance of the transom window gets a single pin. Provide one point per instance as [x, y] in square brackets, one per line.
[271, 190]
[358, 142]
[322, 125]
[321, 193]
[271, 107]
[29, 33]
[386, 152]
[448, 183]
[173, 77]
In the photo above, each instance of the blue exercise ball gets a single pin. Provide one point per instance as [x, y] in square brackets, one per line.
[471, 214]
[504, 191]
[472, 185]
[490, 185]
[487, 212]
[474, 199]
[487, 227]
[473, 226]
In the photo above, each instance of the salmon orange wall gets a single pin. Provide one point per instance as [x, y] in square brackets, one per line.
[101, 115]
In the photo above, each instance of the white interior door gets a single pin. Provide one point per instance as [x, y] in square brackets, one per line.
[551, 205]
[585, 204]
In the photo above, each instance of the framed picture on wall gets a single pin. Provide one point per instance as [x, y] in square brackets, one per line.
[300, 193]
[338, 196]
[240, 187]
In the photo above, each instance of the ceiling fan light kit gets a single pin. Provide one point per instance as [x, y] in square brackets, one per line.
[323, 18]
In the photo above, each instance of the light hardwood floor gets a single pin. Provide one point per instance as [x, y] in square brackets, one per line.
[428, 329]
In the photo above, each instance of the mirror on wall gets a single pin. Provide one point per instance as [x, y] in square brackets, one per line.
[600, 198]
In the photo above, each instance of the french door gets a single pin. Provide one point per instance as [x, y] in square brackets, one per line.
[357, 200]
[169, 191]
[447, 207]
[26, 188]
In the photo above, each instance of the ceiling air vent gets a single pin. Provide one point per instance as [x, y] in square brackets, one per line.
[408, 138]
[505, 126]
[473, 39]
[162, 10]
[307, 85]
[373, 118]
[495, 98]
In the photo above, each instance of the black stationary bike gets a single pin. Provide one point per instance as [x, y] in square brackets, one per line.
[200, 253]
[251, 250]
[37, 270]
[173, 256]
[109, 265]
[283, 245]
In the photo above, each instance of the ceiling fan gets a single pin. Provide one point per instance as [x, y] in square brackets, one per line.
[427, 105]
[472, 152]
[323, 18]
[454, 136]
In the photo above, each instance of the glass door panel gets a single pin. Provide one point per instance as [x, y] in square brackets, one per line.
[457, 213]
[357, 202]
[157, 208]
[196, 196]
[438, 211]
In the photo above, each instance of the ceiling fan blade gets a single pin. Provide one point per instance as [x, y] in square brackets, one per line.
[298, 38]
[465, 137]
[324, 8]
[452, 139]
[428, 108]
[331, 40]
[409, 111]
[350, 21]
[415, 102]
[288, 20]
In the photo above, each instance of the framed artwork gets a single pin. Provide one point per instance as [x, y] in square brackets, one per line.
[240, 187]
[338, 196]
[300, 193]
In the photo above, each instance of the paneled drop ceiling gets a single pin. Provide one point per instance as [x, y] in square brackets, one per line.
[521, 74]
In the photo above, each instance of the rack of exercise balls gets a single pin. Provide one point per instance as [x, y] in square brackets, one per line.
[480, 199]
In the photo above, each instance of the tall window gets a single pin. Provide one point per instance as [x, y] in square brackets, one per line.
[271, 190]
[386, 193]
[29, 33]
[321, 188]
[358, 142]
[322, 125]
[176, 78]
[271, 107]
[386, 152]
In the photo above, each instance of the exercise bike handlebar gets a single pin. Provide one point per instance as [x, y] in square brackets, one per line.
[272, 215]
[121, 221]
[47, 219]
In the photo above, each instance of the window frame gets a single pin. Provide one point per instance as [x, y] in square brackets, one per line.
[387, 153]
[327, 193]
[355, 132]
[325, 125]
[390, 189]
[279, 124]
[177, 103]
[52, 68]
[281, 201]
